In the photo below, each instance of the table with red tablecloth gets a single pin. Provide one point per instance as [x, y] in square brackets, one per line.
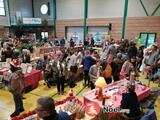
[31, 79]
[115, 100]
[55, 56]
[60, 106]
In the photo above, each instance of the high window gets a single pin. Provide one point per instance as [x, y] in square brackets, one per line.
[2, 8]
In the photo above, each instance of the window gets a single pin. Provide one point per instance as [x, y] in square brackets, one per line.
[44, 35]
[2, 8]
[147, 38]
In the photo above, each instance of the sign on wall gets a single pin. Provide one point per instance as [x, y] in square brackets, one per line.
[32, 21]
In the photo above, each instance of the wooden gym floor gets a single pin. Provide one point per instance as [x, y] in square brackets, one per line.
[7, 106]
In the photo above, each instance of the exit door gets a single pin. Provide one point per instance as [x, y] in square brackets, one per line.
[147, 39]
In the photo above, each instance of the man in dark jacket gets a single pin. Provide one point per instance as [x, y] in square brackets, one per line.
[16, 86]
[130, 101]
[132, 50]
[46, 110]
[87, 62]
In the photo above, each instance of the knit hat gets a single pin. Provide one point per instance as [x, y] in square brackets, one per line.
[15, 63]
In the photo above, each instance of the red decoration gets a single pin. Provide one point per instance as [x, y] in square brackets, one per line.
[15, 62]
[33, 112]
[25, 115]
[15, 118]
[30, 113]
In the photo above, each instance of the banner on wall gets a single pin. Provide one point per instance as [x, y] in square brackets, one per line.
[32, 21]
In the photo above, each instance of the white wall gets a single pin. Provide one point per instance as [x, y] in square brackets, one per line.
[135, 8]
[158, 12]
[70, 9]
[105, 8]
[74, 9]
[4, 20]
[23, 6]
[115, 8]
[151, 5]
[37, 12]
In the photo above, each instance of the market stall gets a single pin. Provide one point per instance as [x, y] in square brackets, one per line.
[48, 49]
[114, 95]
[31, 79]
[71, 105]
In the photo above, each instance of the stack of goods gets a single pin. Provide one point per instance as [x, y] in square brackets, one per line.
[72, 106]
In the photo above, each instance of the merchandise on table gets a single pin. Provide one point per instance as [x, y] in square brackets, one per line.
[71, 105]
[113, 94]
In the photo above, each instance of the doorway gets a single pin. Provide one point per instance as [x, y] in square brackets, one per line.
[147, 39]
[76, 33]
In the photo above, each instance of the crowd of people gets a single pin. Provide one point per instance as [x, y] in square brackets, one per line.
[116, 61]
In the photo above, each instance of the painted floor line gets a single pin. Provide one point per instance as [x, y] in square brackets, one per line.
[35, 94]
[80, 91]
[54, 95]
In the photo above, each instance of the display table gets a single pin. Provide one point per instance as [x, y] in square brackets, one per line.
[31, 79]
[54, 56]
[69, 105]
[48, 49]
[115, 97]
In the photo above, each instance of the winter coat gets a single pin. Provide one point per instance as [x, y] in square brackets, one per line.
[16, 82]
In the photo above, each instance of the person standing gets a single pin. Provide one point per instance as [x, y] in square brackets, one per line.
[110, 70]
[129, 66]
[118, 60]
[62, 42]
[139, 56]
[60, 83]
[26, 57]
[48, 75]
[87, 62]
[72, 65]
[92, 42]
[72, 42]
[94, 73]
[16, 86]
[56, 75]
[132, 50]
